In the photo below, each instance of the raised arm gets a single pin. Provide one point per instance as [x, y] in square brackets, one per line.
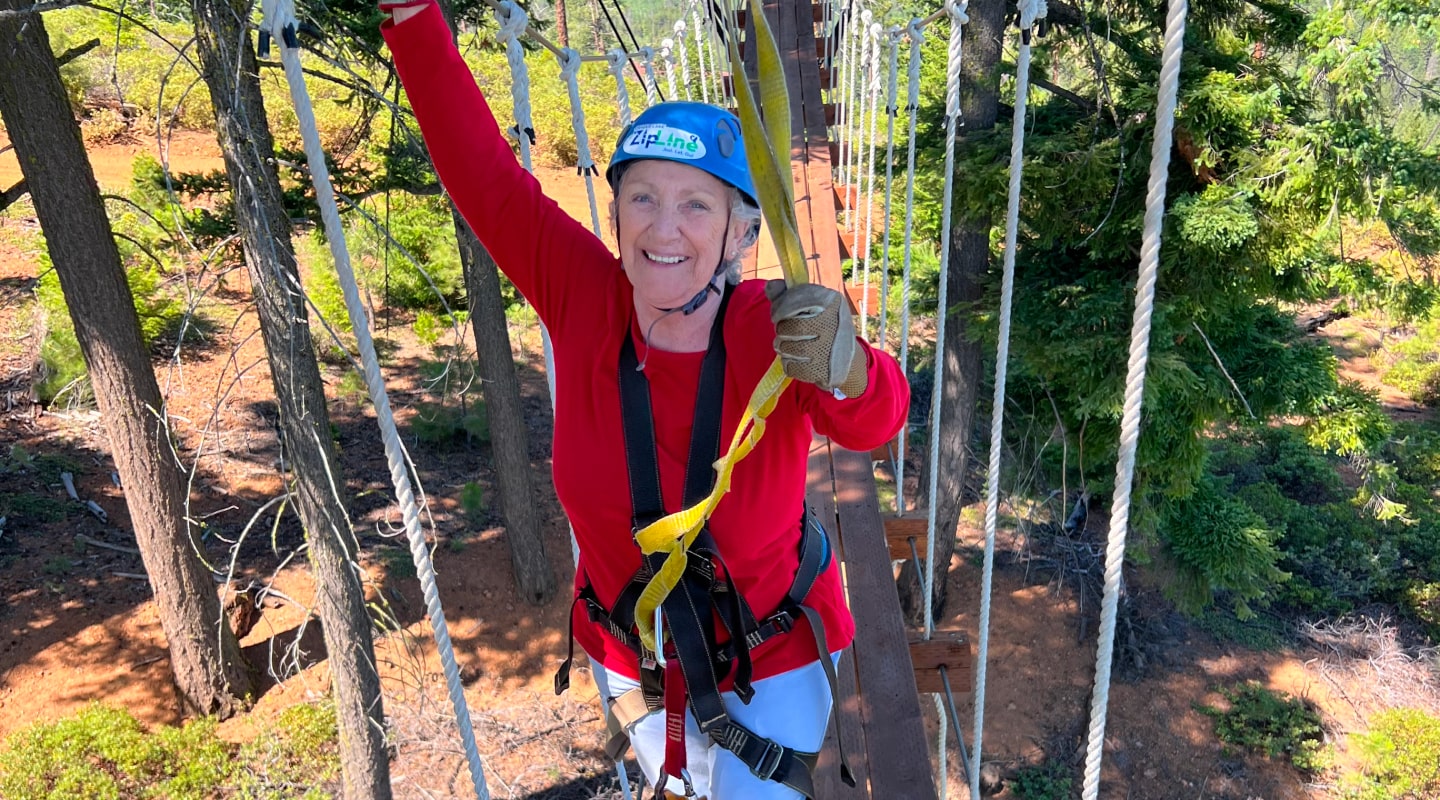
[547, 254]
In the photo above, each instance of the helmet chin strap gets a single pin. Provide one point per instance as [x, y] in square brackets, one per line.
[704, 294]
[695, 303]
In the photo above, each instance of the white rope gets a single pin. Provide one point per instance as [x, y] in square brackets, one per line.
[616, 58]
[1135, 384]
[700, 51]
[652, 89]
[916, 31]
[667, 54]
[281, 23]
[956, 12]
[942, 780]
[1030, 10]
[857, 120]
[890, 111]
[841, 106]
[684, 57]
[719, 55]
[875, 31]
[847, 109]
[570, 61]
[952, 125]
[513, 22]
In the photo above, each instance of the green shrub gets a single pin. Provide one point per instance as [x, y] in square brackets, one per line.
[1219, 545]
[472, 500]
[1415, 364]
[295, 757]
[1349, 422]
[141, 63]
[424, 227]
[1047, 781]
[1271, 723]
[1401, 755]
[62, 363]
[457, 414]
[103, 753]
[1422, 601]
[1263, 632]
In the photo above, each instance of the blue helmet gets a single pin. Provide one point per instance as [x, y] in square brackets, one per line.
[698, 134]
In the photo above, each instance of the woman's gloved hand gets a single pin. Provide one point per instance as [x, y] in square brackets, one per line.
[816, 338]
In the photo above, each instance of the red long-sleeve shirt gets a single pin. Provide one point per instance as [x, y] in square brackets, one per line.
[586, 302]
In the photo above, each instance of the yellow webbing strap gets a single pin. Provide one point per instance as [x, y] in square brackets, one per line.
[675, 533]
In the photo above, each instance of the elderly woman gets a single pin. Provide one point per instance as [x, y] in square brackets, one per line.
[656, 354]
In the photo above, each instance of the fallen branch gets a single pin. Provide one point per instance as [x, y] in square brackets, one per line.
[80, 537]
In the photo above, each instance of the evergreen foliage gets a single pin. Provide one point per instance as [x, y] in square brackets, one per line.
[1271, 723]
[1285, 139]
[1402, 757]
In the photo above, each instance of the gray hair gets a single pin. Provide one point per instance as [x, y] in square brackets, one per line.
[746, 212]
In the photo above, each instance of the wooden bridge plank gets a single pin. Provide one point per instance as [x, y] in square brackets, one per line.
[889, 703]
[848, 728]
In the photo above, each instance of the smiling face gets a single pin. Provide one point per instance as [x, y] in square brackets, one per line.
[672, 224]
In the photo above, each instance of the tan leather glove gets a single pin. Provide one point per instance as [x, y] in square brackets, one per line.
[816, 338]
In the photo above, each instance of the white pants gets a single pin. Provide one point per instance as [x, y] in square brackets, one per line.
[792, 708]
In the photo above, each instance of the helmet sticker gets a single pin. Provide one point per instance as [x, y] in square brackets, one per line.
[662, 141]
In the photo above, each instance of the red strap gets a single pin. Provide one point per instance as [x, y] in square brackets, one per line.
[674, 719]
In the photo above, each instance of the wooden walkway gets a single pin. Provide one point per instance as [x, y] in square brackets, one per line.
[793, 22]
[878, 707]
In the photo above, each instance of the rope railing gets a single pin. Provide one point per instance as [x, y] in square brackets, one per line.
[1030, 10]
[684, 58]
[280, 22]
[891, 110]
[1135, 385]
[875, 32]
[916, 33]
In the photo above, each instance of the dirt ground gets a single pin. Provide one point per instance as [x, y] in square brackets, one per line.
[77, 623]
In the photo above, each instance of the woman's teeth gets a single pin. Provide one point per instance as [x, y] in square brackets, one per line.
[664, 259]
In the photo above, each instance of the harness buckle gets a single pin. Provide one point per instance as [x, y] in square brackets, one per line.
[770, 760]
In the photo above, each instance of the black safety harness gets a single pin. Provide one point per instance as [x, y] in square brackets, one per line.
[692, 664]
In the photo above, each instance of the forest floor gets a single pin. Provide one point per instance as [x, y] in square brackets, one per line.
[77, 624]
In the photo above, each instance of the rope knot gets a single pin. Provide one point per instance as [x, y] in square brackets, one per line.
[570, 62]
[679, 28]
[1031, 10]
[667, 46]
[279, 21]
[955, 9]
[616, 59]
[513, 21]
[915, 30]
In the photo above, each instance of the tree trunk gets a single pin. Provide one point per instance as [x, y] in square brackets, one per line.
[228, 64]
[212, 675]
[562, 24]
[969, 260]
[509, 444]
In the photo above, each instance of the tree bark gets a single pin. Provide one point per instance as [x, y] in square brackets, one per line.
[211, 673]
[509, 444]
[969, 261]
[228, 67]
[562, 24]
